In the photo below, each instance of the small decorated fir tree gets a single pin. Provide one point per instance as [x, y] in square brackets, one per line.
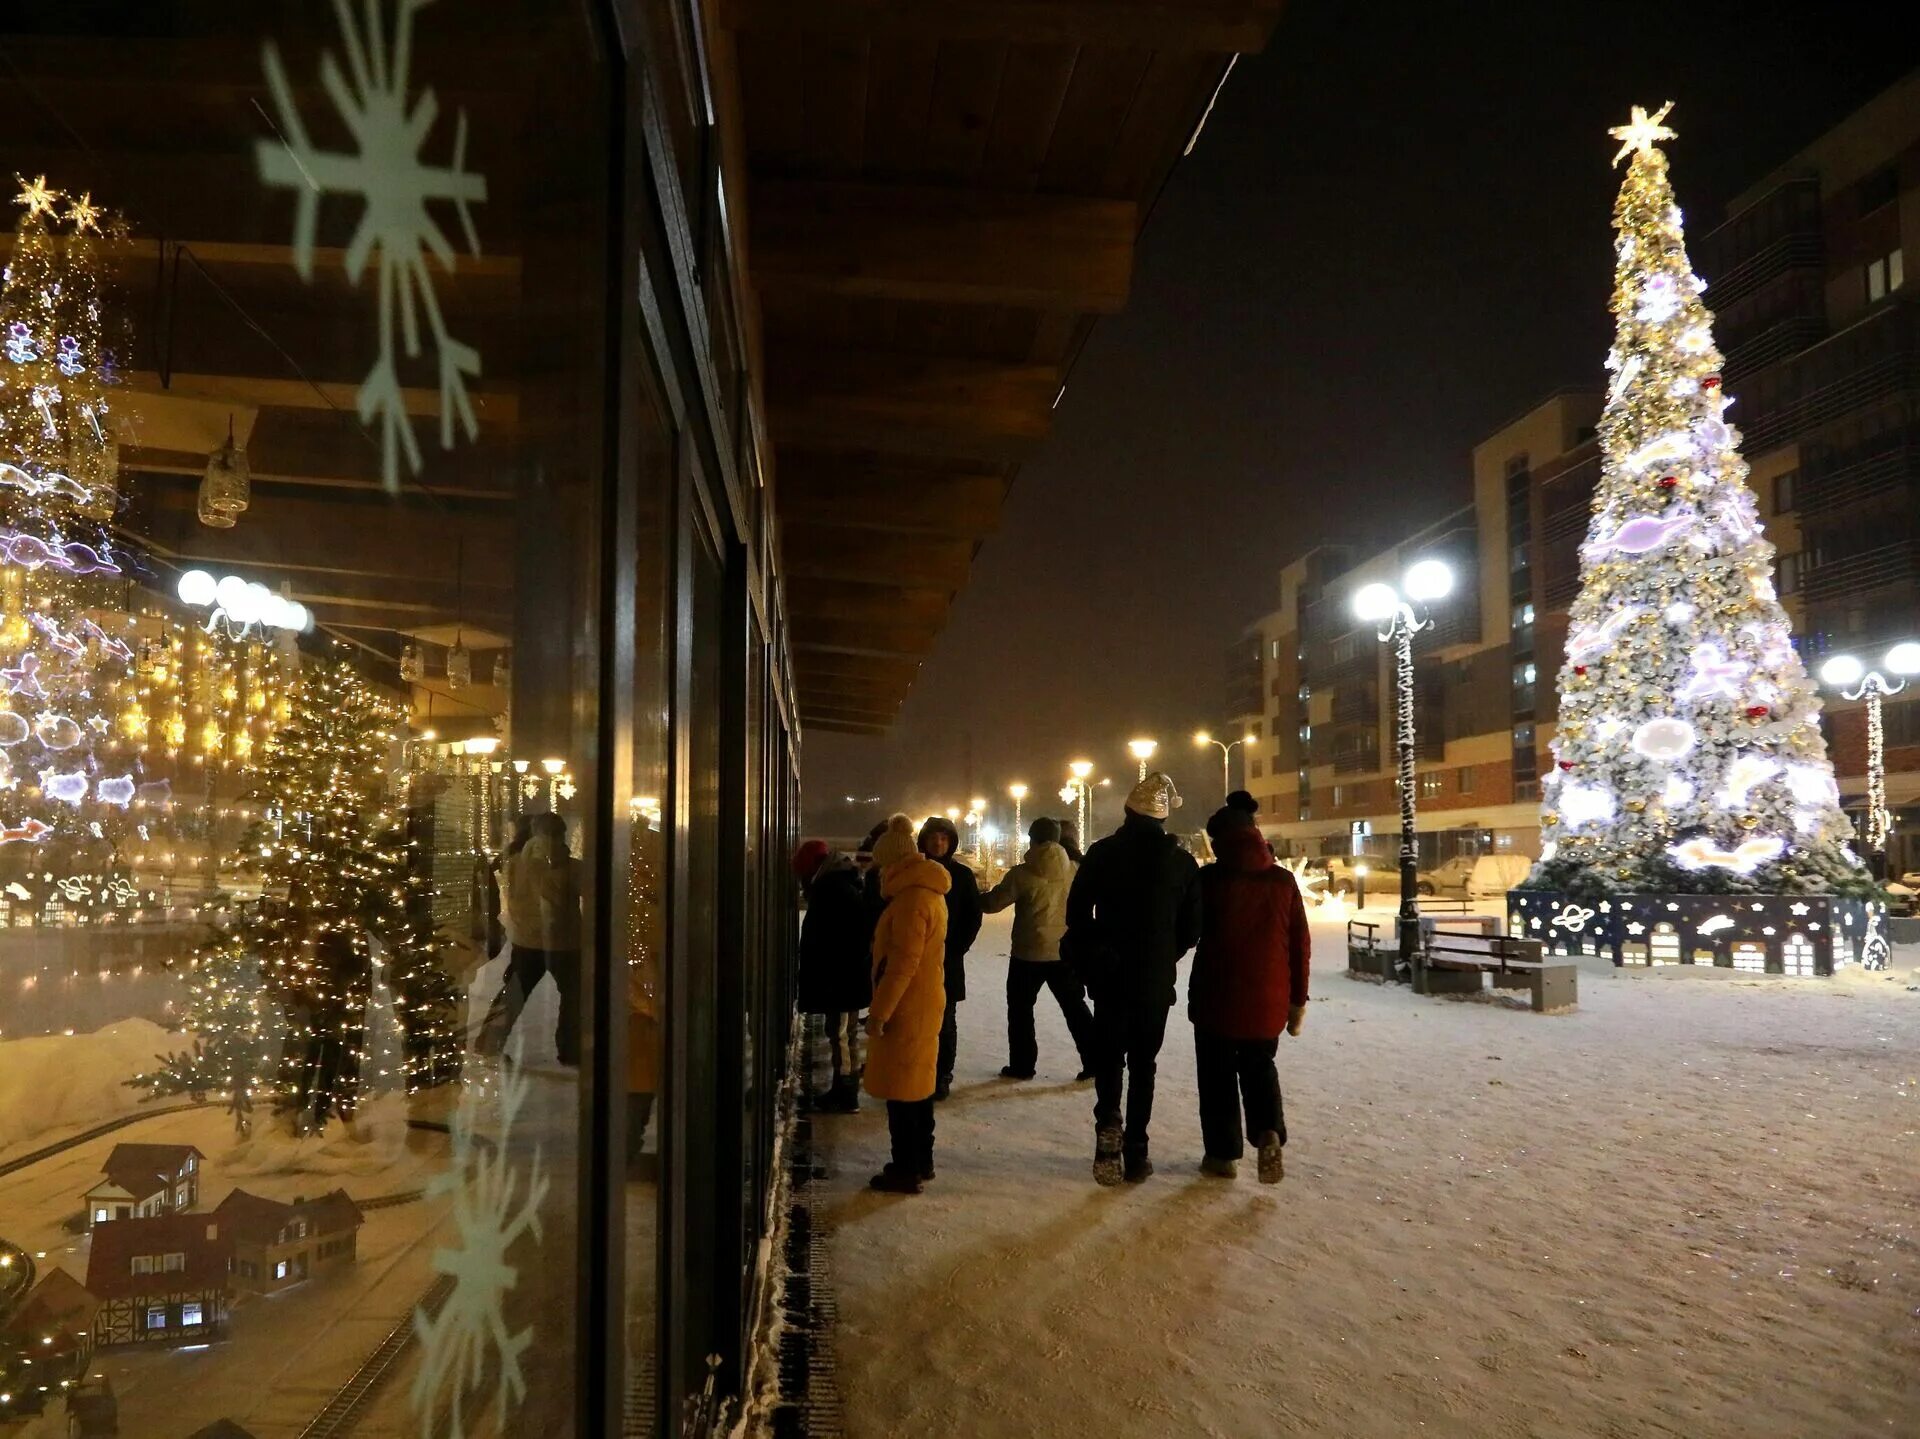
[1689, 756]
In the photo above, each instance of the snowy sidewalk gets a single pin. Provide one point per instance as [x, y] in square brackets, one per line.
[1688, 1209]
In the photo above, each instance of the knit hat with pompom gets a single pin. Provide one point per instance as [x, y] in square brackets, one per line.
[895, 843]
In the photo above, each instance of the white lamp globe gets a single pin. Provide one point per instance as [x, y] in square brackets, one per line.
[1428, 580]
[1904, 658]
[1375, 602]
[196, 588]
[1842, 670]
[232, 595]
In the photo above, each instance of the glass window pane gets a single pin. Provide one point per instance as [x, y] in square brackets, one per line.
[304, 436]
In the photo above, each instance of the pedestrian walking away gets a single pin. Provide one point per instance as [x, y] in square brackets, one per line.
[1133, 911]
[1248, 986]
[939, 841]
[909, 997]
[1037, 889]
[836, 947]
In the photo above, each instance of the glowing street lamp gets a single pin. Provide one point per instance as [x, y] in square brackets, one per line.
[1018, 793]
[1401, 613]
[1142, 750]
[1080, 769]
[1201, 739]
[1855, 681]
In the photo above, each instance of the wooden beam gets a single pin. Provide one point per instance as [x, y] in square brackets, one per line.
[943, 245]
[847, 714]
[809, 721]
[878, 673]
[1213, 26]
[908, 404]
[821, 489]
[855, 600]
[874, 557]
[868, 637]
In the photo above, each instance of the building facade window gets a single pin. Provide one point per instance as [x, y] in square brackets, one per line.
[1430, 783]
[1259, 769]
[1885, 274]
[191, 1314]
[1786, 573]
[1466, 779]
[1339, 795]
[1783, 492]
[157, 1317]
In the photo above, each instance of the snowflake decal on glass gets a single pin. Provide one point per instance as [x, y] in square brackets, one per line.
[396, 230]
[491, 1213]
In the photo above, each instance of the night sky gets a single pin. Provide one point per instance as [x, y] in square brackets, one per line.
[1392, 238]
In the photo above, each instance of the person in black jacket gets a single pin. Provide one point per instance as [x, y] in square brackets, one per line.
[938, 841]
[1134, 910]
[836, 939]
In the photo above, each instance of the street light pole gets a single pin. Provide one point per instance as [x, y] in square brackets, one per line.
[1019, 795]
[1856, 682]
[1083, 818]
[1142, 750]
[1202, 739]
[1393, 609]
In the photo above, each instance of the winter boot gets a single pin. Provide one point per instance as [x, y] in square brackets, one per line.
[1219, 1168]
[1139, 1168]
[843, 1098]
[1007, 1071]
[1106, 1156]
[943, 1089]
[893, 1180]
[1273, 1166]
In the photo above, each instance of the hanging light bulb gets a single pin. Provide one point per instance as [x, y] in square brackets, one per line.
[227, 488]
[459, 665]
[411, 667]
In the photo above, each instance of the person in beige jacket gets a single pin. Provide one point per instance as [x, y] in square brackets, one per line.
[541, 887]
[1037, 889]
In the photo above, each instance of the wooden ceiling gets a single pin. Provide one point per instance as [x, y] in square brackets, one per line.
[941, 198]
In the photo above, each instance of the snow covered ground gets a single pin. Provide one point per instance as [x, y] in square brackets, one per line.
[1691, 1208]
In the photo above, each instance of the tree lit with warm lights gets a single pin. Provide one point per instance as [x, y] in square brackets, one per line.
[1689, 757]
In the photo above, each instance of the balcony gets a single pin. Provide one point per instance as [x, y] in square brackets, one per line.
[1357, 759]
[1778, 233]
[1859, 478]
[1865, 364]
[1857, 575]
[1772, 345]
[1356, 703]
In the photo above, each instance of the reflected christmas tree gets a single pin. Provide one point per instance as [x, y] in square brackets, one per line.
[1689, 757]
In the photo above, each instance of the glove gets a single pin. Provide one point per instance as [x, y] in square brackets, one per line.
[1296, 1018]
[876, 1026]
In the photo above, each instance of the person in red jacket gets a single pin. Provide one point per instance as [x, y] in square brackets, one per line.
[1249, 983]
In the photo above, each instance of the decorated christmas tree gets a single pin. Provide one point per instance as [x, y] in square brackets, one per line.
[69, 778]
[1688, 757]
[341, 937]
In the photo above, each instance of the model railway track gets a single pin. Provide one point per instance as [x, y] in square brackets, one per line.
[391, 1201]
[343, 1411]
[74, 1141]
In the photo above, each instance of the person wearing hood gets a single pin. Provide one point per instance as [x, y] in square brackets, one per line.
[1070, 841]
[1037, 889]
[1133, 911]
[909, 1000]
[836, 942]
[939, 842]
[1249, 983]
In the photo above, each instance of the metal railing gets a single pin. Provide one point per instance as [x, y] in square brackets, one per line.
[1859, 574]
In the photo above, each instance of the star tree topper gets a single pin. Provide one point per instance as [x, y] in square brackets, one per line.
[36, 195]
[1641, 132]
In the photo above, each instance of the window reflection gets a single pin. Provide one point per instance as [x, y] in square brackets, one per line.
[302, 438]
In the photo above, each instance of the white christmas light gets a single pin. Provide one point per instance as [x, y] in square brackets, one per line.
[1745, 858]
[1746, 771]
[1676, 791]
[1813, 785]
[1664, 739]
[1714, 675]
[1584, 804]
[1679, 612]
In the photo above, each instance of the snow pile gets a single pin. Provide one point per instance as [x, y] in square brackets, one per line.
[370, 1144]
[60, 1082]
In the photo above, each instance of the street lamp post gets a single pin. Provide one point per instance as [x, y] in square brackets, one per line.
[1394, 610]
[1855, 681]
[1018, 792]
[1202, 739]
[977, 817]
[1142, 750]
[1083, 817]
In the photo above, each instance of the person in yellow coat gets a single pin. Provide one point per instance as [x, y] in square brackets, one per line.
[909, 1002]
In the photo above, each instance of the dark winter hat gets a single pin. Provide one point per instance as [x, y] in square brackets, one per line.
[866, 845]
[1044, 831]
[808, 858]
[1241, 800]
[940, 824]
[1227, 818]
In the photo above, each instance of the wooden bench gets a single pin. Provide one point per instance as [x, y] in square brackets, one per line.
[1451, 962]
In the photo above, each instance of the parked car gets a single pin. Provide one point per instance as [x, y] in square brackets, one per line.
[1902, 892]
[1449, 878]
[1495, 874]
